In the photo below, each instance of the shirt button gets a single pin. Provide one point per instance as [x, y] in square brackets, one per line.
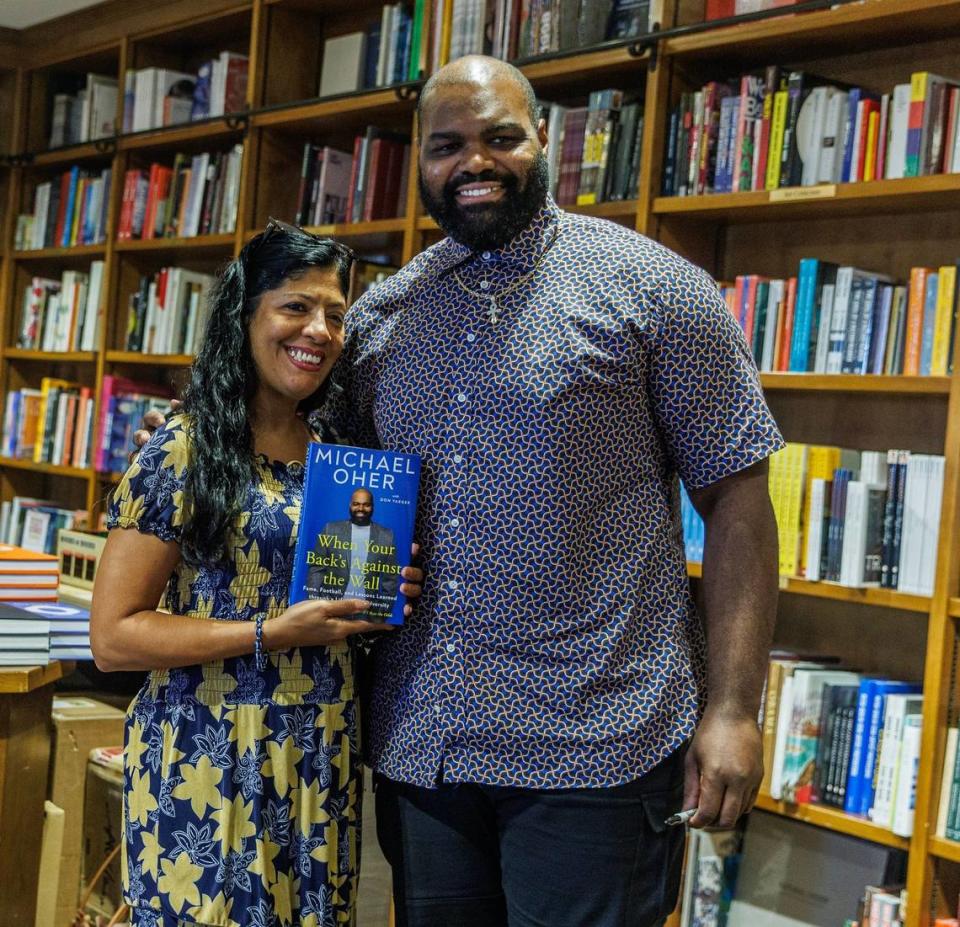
[453, 584]
[486, 255]
[451, 648]
[457, 459]
[471, 337]
[461, 397]
[484, 284]
[436, 709]
[454, 522]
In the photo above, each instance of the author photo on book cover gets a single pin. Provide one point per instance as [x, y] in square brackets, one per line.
[242, 779]
[356, 558]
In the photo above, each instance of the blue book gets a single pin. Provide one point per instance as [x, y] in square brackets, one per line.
[851, 801]
[866, 325]
[803, 315]
[356, 528]
[372, 56]
[874, 730]
[850, 125]
[402, 59]
[929, 323]
[200, 108]
[71, 203]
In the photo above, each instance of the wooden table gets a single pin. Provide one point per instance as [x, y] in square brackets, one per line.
[26, 697]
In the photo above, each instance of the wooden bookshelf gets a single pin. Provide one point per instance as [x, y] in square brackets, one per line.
[833, 819]
[881, 224]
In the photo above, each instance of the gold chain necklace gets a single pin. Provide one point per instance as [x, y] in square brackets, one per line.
[493, 300]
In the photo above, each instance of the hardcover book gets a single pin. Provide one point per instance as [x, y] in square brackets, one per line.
[356, 529]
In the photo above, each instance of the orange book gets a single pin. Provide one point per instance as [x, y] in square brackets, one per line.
[786, 332]
[181, 207]
[870, 162]
[914, 329]
[19, 560]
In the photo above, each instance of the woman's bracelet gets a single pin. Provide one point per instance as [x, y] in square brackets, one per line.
[259, 656]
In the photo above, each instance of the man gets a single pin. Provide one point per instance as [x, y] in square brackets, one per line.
[350, 555]
[553, 700]
[530, 723]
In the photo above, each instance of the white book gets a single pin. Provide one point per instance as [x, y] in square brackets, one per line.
[905, 799]
[198, 181]
[774, 308]
[35, 525]
[784, 714]
[4, 518]
[839, 316]
[91, 314]
[383, 53]
[831, 154]
[165, 79]
[144, 92]
[930, 529]
[343, 59]
[100, 106]
[555, 124]
[859, 127]
[41, 203]
[914, 507]
[823, 333]
[689, 877]
[952, 157]
[854, 534]
[896, 709]
[897, 135]
[60, 426]
[818, 501]
[946, 780]
[811, 121]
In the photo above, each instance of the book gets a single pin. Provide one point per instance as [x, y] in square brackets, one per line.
[356, 530]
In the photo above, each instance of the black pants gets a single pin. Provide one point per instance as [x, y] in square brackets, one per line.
[489, 856]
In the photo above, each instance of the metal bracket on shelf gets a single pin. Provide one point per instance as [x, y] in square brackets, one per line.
[106, 146]
[238, 121]
[20, 160]
[649, 42]
[407, 93]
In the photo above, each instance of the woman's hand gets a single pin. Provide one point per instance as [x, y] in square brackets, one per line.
[412, 588]
[317, 623]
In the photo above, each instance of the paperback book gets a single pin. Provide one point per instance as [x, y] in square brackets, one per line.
[356, 529]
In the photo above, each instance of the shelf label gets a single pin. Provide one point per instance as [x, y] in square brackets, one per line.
[792, 194]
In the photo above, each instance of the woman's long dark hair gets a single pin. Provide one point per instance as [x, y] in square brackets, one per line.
[224, 380]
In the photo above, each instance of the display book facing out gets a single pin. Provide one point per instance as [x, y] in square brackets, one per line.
[356, 527]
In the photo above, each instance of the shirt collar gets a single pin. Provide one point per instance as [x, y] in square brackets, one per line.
[520, 254]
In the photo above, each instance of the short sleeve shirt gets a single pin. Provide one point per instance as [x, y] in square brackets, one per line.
[556, 643]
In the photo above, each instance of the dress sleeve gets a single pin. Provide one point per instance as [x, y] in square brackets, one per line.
[150, 495]
[704, 383]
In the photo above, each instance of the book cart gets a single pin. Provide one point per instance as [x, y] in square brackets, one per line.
[888, 224]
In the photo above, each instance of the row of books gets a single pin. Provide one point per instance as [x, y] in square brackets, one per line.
[857, 518]
[832, 319]
[721, 9]
[84, 112]
[26, 578]
[123, 403]
[196, 196]
[158, 97]
[167, 312]
[69, 210]
[53, 424]
[34, 525]
[593, 152]
[369, 184]
[835, 737]
[510, 29]
[35, 632]
[776, 872]
[64, 314]
[387, 52]
[789, 129]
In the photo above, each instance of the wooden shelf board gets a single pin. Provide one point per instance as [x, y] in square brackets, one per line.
[75, 357]
[136, 357]
[943, 848]
[210, 130]
[68, 156]
[954, 608]
[360, 229]
[833, 819]
[853, 26]
[854, 383]
[593, 64]
[197, 243]
[883, 598]
[18, 680]
[613, 209]
[53, 469]
[938, 191]
[426, 224]
[46, 254]
[311, 115]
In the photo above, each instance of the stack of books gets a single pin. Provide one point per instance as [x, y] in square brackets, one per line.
[34, 523]
[27, 574]
[123, 403]
[85, 113]
[167, 313]
[69, 210]
[64, 314]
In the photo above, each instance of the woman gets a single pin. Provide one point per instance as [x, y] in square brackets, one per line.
[242, 783]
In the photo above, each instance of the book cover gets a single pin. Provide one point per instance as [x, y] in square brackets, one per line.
[356, 529]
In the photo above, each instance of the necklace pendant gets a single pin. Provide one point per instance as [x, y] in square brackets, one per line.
[494, 311]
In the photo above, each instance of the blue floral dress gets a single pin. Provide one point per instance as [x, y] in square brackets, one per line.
[242, 788]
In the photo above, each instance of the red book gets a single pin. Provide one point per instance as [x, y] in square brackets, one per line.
[62, 210]
[864, 109]
[151, 210]
[125, 225]
[376, 181]
[914, 328]
[719, 9]
[786, 332]
[751, 307]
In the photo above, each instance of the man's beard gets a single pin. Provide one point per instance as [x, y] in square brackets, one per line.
[489, 225]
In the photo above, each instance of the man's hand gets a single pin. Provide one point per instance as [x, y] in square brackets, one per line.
[153, 420]
[724, 766]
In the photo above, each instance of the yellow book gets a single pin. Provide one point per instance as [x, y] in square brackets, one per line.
[797, 465]
[777, 465]
[47, 416]
[870, 160]
[822, 460]
[446, 30]
[78, 211]
[943, 321]
[775, 145]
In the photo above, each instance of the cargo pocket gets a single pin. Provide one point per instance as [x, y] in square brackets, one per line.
[655, 883]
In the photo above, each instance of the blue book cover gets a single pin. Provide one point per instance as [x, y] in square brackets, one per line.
[851, 801]
[848, 129]
[803, 317]
[200, 108]
[372, 56]
[356, 529]
[68, 212]
[929, 323]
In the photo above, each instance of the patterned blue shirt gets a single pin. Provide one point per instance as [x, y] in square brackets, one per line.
[556, 643]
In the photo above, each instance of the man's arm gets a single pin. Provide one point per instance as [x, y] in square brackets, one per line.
[724, 765]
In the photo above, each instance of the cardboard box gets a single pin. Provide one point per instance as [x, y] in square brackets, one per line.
[79, 725]
[102, 830]
[50, 855]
